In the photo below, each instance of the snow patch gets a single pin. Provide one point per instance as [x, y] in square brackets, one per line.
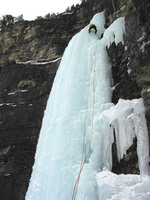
[32, 62]
[67, 13]
[129, 70]
[143, 46]
[124, 187]
[23, 90]
[12, 93]
[8, 104]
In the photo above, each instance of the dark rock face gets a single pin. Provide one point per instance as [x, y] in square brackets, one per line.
[131, 67]
[24, 88]
[129, 163]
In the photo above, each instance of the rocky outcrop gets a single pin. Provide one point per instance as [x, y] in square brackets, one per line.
[131, 67]
[44, 38]
[25, 86]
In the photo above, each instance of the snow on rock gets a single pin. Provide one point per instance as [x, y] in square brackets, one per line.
[32, 62]
[144, 44]
[115, 32]
[67, 13]
[12, 93]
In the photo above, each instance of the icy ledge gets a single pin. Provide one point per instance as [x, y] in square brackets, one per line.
[122, 187]
[126, 120]
[115, 32]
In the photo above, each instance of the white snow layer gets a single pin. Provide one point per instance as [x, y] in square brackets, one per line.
[122, 187]
[32, 62]
[115, 32]
[80, 115]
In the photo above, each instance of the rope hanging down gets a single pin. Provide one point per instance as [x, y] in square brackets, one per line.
[92, 127]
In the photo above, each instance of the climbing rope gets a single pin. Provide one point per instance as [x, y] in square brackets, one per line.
[113, 5]
[92, 127]
[89, 70]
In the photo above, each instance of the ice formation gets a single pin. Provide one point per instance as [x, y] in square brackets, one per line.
[79, 122]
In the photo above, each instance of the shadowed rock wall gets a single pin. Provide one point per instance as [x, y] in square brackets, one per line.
[131, 68]
[25, 89]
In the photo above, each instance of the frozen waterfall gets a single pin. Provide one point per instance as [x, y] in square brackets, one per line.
[79, 122]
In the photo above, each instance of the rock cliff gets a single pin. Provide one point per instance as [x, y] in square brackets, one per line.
[25, 86]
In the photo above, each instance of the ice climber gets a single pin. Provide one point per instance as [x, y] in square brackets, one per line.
[92, 26]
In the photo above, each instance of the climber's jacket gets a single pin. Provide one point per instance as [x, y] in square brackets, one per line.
[92, 26]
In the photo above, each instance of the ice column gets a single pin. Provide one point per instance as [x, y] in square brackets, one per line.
[59, 150]
[80, 97]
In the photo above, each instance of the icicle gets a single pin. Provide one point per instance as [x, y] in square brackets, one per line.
[107, 149]
[115, 32]
[142, 137]
[128, 119]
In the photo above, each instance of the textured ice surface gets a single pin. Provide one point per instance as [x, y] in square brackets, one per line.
[122, 187]
[81, 96]
[127, 119]
[115, 32]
